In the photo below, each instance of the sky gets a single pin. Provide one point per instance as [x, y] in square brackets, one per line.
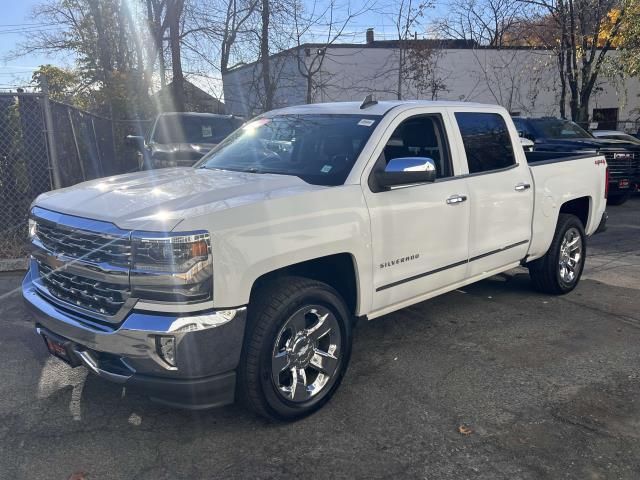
[16, 21]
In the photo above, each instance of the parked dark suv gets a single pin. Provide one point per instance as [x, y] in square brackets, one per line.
[557, 135]
[181, 139]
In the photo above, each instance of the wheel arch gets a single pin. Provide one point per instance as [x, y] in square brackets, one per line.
[337, 270]
[580, 207]
[547, 215]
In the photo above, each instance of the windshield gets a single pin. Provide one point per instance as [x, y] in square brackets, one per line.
[557, 128]
[320, 149]
[193, 129]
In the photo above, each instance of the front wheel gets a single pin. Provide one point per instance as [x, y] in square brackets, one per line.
[559, 271]
[297, 348]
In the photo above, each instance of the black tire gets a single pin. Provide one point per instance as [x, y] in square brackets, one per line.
[271, 307]
[617, 199]
[545, 272]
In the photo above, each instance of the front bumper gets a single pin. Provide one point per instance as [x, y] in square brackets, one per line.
[207, 347]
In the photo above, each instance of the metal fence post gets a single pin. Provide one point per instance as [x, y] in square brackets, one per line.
[51, 143]
[75, 142]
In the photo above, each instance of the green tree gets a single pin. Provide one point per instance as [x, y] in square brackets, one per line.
[64, 85]
[115, 67]
[630, 39]
[582, 35]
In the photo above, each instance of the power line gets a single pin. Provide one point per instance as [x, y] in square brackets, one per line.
[25, 30]
[27, 24]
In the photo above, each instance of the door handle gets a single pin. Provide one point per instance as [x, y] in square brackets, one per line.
[521, 187]
[453, 199]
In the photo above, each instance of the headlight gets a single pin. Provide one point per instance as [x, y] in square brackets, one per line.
[174, 267]
[33, 228]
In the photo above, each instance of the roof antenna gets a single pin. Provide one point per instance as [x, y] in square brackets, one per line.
[368, 101]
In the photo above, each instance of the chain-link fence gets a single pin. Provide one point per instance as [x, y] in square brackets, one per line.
[90, 146]
[24, 166]
[46, 145]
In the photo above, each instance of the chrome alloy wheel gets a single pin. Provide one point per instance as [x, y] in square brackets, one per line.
[306, 353]
[570, 255]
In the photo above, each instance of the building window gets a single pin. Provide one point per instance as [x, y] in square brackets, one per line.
[607, 118]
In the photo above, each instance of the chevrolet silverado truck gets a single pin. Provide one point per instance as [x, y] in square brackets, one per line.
[558, 135]
[242, 277]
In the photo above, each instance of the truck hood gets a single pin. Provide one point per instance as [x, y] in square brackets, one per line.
[157, 200]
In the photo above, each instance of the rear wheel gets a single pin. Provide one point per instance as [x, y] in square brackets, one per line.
[617, 199]
[297, 348]
[559, 271]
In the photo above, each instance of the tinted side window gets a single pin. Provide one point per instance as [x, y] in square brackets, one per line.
[486, 141]
[421, 136]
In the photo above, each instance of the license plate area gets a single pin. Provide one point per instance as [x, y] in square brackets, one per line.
[60, 347]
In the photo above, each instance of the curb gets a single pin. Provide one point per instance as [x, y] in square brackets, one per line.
[13, 264]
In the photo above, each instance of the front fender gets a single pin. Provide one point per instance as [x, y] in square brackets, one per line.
[252, 240]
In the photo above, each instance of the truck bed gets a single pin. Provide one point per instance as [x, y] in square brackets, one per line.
[559, 177]
[541, 158]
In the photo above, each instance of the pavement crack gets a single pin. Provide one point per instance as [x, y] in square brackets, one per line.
[631, 321]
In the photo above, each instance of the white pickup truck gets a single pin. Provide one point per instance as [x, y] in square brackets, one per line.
[242, 277]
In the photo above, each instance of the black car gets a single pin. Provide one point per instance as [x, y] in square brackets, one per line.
[180, 139]
[558, 135]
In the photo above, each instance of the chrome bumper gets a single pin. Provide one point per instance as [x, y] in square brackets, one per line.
[208, 347]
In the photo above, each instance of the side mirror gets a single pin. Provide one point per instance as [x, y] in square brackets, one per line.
[136, 141]
[527, 144]
[407, 171]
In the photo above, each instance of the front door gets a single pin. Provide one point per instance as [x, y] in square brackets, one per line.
[419, 232]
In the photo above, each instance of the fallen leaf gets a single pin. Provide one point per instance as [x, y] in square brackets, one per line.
[465, 430]
[78, 476]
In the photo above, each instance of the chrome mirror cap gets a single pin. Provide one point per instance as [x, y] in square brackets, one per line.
[405, 171]
[410, 164]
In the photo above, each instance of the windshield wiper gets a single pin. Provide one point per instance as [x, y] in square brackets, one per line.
[247, 170]
[244, 170]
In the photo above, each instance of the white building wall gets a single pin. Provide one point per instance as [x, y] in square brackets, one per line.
[244, 91]
[524, 81]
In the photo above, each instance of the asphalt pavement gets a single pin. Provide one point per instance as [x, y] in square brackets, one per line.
[493, 381]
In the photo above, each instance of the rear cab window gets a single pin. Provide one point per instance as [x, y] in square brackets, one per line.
[522, 126]
[486, 140]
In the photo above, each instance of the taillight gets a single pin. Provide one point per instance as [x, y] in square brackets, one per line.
[606, 182]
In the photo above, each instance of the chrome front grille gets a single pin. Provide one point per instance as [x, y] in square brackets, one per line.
[622, 168]
[82, 264]
[97, 296]
[85, 245]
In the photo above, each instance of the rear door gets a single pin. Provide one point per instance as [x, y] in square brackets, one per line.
[500, 190]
